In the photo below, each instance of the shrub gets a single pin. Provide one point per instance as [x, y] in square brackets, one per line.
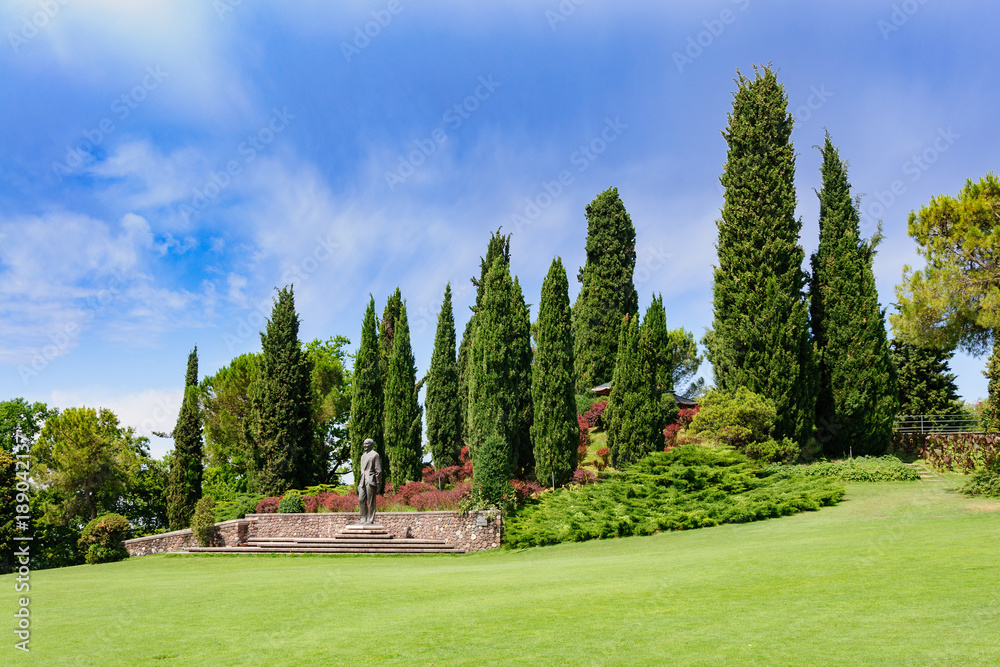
[772, 451]
[448, 499]
[681, 422]
[735, 419]
[862, 469]
[962, 451]
[585, 400]
[581, 476]
[291, 503]
[603, 459]
[238, 508]
[690, 487]
[491, 482]
[203, 521]
[268, 505]
[102, 539]
[594, 416]
[985, 482]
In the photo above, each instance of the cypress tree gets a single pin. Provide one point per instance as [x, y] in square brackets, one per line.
[658, 350]
[444, 416]
[555, 432]
[402, 411]
[633, 412]
[366, 393]
[607, 293]
[519, 321]
[185, 475]
[498, 247]
[926, 387]
[991, 410]
[492, 371]
[856, 398]
[280, 404]
[760, 338]
[387, 332]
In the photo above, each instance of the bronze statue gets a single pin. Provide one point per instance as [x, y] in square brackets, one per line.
[368, 480]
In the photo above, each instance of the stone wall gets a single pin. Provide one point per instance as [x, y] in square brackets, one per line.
[227, 534]
[476, 531]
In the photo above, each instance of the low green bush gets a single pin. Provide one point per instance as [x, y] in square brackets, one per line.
[102, 539]
[886, 468]
[291, 503]
[984, 482]
[735, 419]
[203, 521]
[587, 399]
[772, 451]
[692, 486]
[243, 504]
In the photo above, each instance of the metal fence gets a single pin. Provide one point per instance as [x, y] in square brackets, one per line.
[937, 424]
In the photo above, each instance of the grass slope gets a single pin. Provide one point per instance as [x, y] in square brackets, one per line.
[899, 573]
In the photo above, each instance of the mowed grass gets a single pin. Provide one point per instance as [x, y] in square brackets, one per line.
[898, 573]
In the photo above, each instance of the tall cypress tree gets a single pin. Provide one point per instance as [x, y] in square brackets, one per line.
[760, 338]
[402, 411]
[658, 351]
[492, 372]
[498, 247]
[519, 321]
[387, 331]
[444, 416]
[555, 432]
[991, 411]
[633, 412]
[607, 292]
[281, 404]
[366, 393]
[185, 475]
[856, 400]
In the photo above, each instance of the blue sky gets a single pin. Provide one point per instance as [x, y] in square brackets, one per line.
[166, 165]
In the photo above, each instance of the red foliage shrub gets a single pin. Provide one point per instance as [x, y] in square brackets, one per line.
[311, 503]
[581, 476]
[335, 502]
[407, 491]
[961, 451]
[268, 505]
[447, 475]
[449, 499]
[603, 458]
[525, 490]
[682, 421]
[594, 416]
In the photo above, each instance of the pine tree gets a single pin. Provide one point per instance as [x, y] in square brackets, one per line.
[280, 404]
[492, 369]
[555, 432]
[184, 479]
[366, 393]
[760, 338]
[607, 293]
[926, 387]
[402, 411]
[633, 412]
[444, 416]
[856, 398]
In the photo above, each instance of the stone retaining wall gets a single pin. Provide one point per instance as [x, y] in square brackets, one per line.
[476, 531]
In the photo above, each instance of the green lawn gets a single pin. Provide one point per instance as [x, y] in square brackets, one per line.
[898, 573]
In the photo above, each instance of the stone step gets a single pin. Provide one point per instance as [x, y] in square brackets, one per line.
[321, 542]
[325, 550]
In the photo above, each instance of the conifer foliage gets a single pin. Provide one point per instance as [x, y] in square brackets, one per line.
[555, 431]
[184, 479]
[402, 419]
[366, 392]
[926, 385]
[634, 412]
[856, 400]
[607, 293]
[444, 416]
[499, 367]
[281, 404]
[760, 338]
